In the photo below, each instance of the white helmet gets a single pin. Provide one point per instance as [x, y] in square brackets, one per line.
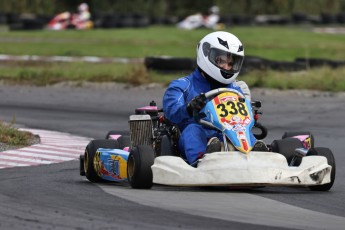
[83, 7]
[215, 45]
[214, 10]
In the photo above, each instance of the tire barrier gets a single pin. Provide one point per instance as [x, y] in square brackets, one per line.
[169, 63]
[138, 20]
[121, 21]
[272, 20]
[340, 18]
[28, 24]
[327, 18]
[256, 63]
[298, 18]
[3, 19]
[251, 63]
[317, 62]
[175, 64]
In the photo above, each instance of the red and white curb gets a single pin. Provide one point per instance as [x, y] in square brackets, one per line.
[55, 147]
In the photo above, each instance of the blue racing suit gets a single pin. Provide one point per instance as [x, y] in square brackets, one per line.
[194, 137]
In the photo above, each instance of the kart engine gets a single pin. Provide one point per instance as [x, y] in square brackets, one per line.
[140, 128]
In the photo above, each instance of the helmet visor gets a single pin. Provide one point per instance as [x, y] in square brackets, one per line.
[226, 61]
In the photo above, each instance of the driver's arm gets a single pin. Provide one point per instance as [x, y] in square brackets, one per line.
[174, 104]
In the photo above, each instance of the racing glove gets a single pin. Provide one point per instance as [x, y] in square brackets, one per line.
[196, 104]
[245, 89]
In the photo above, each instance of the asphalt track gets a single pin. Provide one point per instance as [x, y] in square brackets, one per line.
[56, 197]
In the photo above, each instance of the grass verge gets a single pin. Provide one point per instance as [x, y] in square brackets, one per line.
[281, 43]
[11, 136]
[323, 79]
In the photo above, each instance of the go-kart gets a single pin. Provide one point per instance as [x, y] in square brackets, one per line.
[67, 20]
[150, 154]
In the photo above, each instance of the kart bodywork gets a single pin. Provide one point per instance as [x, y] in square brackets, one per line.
[238, 169]
[150, 155]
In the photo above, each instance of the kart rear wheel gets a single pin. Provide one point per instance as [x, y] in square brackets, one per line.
[139, 164]
[320, 151]
[90, 164]
[286, 147]
[298, 133]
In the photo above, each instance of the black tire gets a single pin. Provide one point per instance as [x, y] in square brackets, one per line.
[124, 140]
[81, 165]
[286, 147]
[166, 147]
[90, 153]
[297, 133]
[125, 21]
[112, 132]
[139, 164]
[320, 151]
[169, 63]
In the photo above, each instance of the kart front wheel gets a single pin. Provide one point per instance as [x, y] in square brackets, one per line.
[139, 164]
[320, 151]
[123, 140]
[90, 157]
[112, 132]
[288, 134]
[287, 147]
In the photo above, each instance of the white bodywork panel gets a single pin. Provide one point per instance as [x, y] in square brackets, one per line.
[238, 169]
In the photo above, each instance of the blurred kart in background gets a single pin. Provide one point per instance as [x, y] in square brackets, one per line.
[66, 20]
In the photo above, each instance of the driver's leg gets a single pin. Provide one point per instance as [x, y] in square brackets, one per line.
[193, 141]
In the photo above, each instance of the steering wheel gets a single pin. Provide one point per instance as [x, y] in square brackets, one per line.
[209, 95]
